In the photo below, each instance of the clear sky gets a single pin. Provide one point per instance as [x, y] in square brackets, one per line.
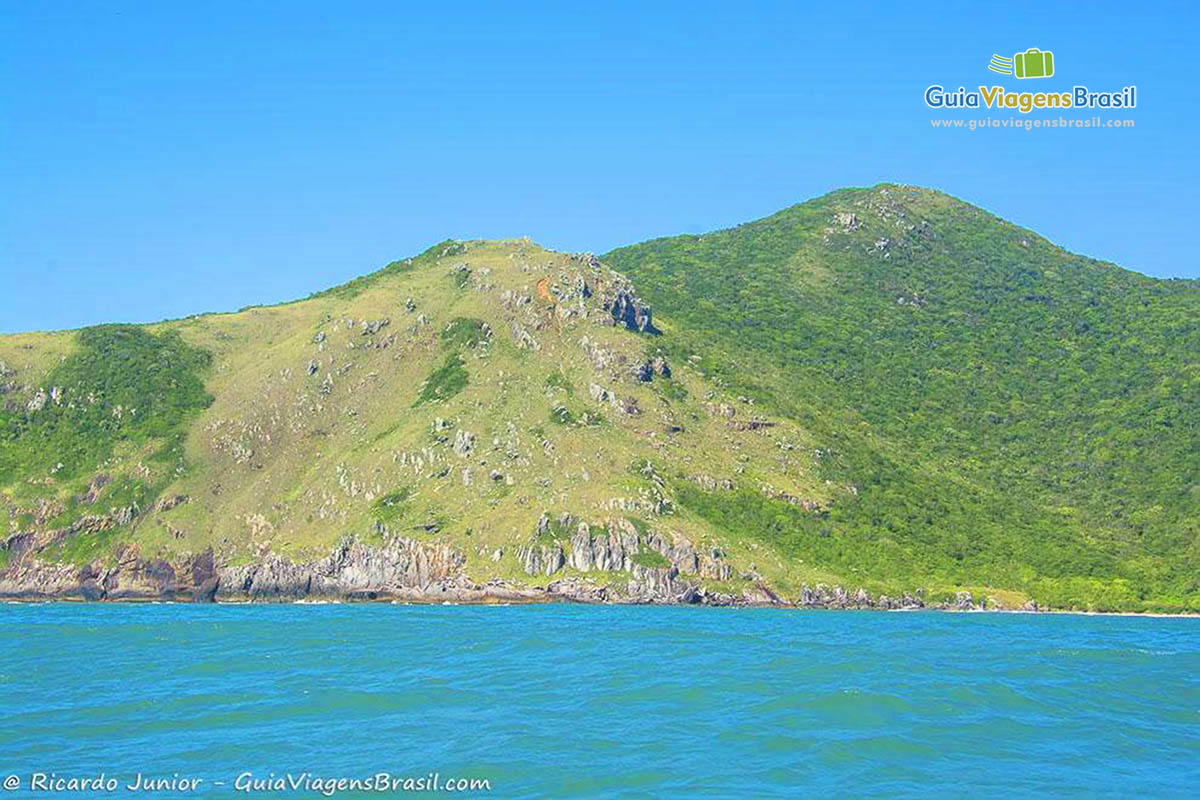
[161, 159]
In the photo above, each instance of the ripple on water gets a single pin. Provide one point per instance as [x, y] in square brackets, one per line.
[600, 702]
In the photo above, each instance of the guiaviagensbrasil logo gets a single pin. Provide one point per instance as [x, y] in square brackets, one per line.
[1030, 63]
[1033, 63]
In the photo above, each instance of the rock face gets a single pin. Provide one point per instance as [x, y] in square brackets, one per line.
[609, 551]
[542, 559]
[414, 571]
[353, 569]
[618, 547]
[130, 578]
[38, 402]
[822, 596]
[627, 309]
[464, 443]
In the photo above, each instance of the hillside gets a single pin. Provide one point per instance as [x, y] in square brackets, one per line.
[1010, 414]
[485, 412]
[881, 397]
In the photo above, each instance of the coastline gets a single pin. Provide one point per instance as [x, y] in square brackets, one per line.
[412, 572]
[539, 598]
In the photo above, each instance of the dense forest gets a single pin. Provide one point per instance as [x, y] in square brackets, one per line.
[1009, 413]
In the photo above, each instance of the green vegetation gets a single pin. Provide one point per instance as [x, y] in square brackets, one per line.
[558, 380]
[444, 382]
[464, 333]
[556, 530]
[122, 384]
[1008, 414]
[84, 548]
[392, 506]
[591, 419]
[461, 278]
[672, 390]
[354, 288]
[639, 525]
[651, 559]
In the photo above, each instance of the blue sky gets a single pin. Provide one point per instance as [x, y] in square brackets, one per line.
[162, 159]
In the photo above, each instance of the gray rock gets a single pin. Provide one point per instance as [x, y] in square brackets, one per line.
[37, 402]
[464, 443]
[963, 601]
[94, 488]
[523, 338]
[542, 559]
[173, 501]
[372, 327]
[353, 569]
[848, 221]
[626, 309]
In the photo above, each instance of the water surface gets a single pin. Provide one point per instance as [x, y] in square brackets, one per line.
[560, 701]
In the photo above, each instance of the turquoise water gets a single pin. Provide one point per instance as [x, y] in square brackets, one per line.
[564, 701]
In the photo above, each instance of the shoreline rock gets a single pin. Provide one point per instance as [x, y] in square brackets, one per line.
[409, 571]
[611, 562]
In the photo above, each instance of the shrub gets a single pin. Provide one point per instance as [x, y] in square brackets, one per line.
[444, 382]
[121, 384]
[464, 333]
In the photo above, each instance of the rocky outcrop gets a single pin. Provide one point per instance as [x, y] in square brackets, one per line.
[371, 327]
[37, 402]
[618, 547]
[523, 338]
[645, 371]
[131, 577]
[464, 443]
[659, 585]
[409, 570]
[625, 308]
[837, 597]
[611, 550]
[170, 502]
[711, 484]
[353, 569]
[38, 580]
[542, 559]
[965, 601]
[847, 221]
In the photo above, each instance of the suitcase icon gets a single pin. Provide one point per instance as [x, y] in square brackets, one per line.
[1033, 63]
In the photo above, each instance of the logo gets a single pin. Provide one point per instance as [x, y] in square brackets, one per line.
[1033, 63]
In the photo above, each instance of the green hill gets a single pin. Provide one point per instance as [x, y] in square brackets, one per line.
[880, 397]
[1008, 413]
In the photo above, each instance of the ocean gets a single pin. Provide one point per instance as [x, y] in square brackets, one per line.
[593, 701]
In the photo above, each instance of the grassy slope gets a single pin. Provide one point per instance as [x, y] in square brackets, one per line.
[275, 463]
[1012, 415]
